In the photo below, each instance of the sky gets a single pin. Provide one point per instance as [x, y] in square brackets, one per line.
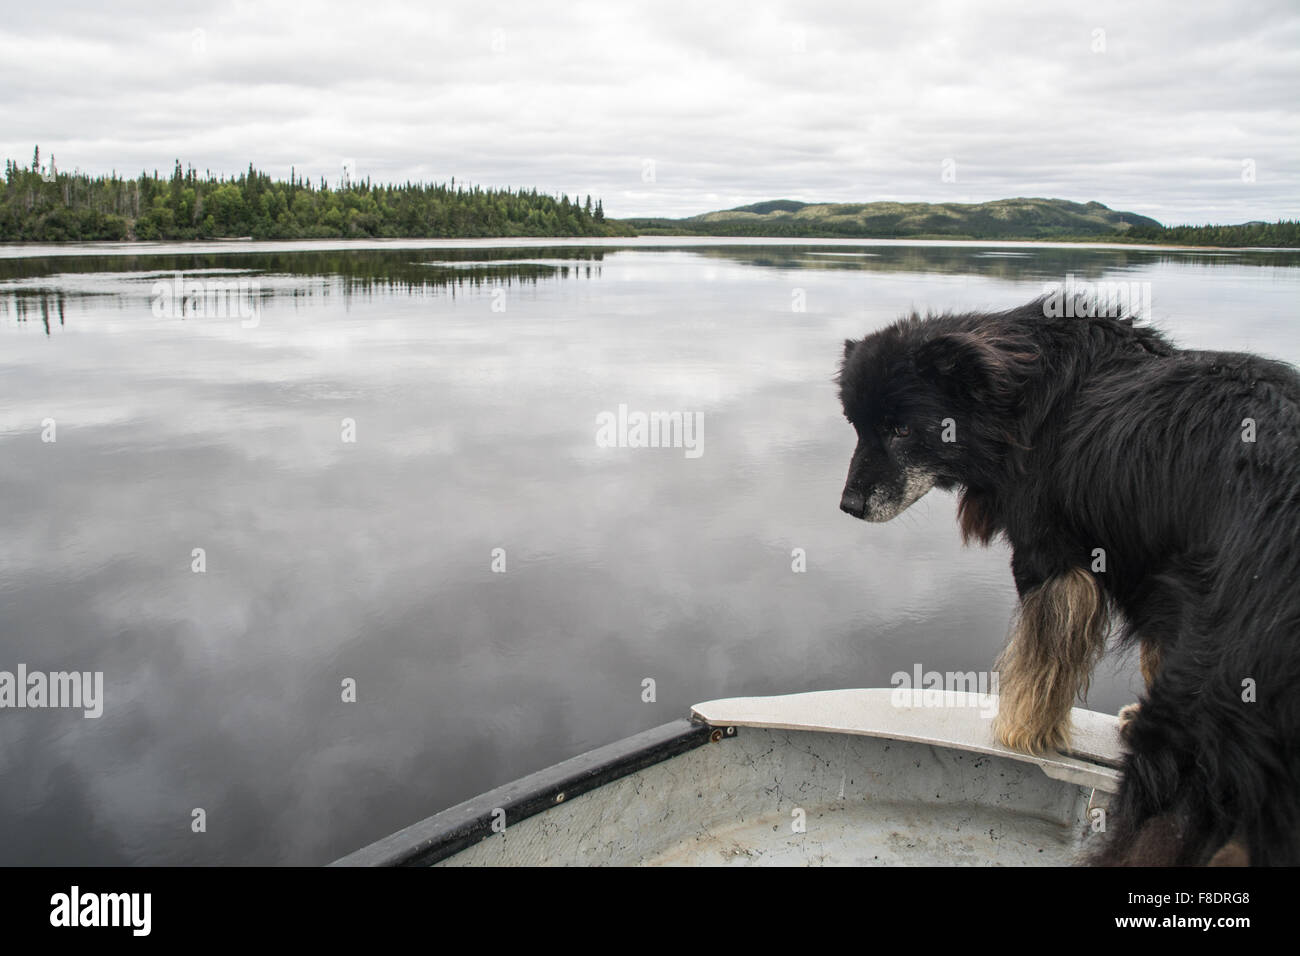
[1186, 112]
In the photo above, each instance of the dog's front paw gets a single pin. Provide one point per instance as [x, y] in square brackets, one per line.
[1033, 740]
[1127, 714]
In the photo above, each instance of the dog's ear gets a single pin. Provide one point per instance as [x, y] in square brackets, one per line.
[970, 363]
[849, 346]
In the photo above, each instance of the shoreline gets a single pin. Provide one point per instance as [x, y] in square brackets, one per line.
[185, 246]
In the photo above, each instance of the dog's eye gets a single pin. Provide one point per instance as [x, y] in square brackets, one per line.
[902, 431]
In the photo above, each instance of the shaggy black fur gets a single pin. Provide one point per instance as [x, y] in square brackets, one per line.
[1073, 434]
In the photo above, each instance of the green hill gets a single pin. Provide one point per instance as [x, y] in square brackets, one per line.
[772, 205]
[1001, 219]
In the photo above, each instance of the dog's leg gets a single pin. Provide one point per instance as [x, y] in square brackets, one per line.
[1232, 853]
[1058, 637]
[1149, 661]
[1127, 714]
[1148, 664]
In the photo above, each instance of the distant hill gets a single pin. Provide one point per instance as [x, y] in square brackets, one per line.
[762, 208]
[1001, 219]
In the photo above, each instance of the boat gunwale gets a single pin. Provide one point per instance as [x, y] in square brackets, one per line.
[955, 721]
[459, 827]
[455, 829]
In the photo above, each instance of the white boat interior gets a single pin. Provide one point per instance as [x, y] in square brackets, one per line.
[864, 777]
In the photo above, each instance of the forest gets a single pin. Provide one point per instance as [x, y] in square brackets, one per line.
[41, 204]
[1285, 233]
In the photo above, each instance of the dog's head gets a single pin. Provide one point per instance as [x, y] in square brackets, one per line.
[930, 401]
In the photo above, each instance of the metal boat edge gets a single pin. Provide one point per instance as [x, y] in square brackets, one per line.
[948, 719]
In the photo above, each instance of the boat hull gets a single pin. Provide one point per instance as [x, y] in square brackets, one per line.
[797, 798]
[852, 778]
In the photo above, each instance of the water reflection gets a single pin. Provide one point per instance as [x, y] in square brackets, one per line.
[27, 304]
[472, 379]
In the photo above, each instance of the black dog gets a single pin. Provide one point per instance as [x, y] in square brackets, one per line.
[1130, 478]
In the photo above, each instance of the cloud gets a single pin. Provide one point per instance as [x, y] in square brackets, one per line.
[1152, 108]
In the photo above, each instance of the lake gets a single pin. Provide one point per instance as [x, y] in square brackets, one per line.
[335, 525]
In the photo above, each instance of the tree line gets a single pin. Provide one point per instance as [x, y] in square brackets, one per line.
[41, 204]
[1285, 233]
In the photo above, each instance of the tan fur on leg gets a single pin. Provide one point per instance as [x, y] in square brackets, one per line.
[1127, 714]
[1232, 853]
[1149, 662]
[1058, 638]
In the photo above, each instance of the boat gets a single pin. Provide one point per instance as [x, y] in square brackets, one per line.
[856, 777]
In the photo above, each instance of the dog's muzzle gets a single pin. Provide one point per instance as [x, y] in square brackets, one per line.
[853, 503]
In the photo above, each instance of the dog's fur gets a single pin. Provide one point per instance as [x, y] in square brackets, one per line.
[1114, 465]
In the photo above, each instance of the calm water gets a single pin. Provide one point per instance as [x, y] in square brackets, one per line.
[473, 378]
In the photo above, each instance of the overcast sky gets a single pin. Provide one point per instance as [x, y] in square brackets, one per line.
[673, 109]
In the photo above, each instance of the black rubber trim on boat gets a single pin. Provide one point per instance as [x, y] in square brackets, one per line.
[447, 833]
